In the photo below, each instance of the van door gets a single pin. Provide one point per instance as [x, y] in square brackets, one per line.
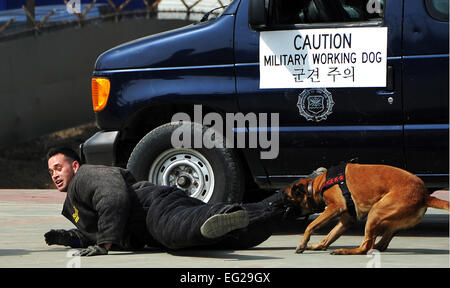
[426, 90]
[323, 126]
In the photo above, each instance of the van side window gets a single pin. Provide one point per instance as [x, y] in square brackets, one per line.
[288, 12]
[438, 9]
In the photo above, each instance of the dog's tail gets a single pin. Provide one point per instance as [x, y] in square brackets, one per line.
[434, 202]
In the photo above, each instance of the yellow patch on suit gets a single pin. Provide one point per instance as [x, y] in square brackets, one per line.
[75, 215]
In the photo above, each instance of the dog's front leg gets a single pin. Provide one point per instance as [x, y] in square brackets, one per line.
[329, 214]
[345, 222]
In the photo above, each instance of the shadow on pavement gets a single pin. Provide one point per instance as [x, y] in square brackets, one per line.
[222, 254]
[20, 252]
[393, 251]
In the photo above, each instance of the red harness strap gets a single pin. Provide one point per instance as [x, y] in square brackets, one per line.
[336, 175]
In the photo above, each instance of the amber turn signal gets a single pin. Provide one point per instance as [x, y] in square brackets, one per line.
[100, 92]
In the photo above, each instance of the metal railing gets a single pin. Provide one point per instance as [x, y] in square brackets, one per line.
[155, 9]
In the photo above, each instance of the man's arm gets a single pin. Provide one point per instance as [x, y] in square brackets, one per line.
[108, 197]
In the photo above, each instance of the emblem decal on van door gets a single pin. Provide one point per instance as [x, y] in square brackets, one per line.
[315, 104]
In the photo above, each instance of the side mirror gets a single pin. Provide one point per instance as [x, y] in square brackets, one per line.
[257, 14]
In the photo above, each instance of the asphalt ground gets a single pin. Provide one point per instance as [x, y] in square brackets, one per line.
[25, 215]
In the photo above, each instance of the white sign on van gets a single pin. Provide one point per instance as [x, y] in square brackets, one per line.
[313, 58]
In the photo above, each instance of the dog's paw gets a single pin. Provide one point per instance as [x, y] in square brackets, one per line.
[339, 252]
[300, 249]
[316, 247]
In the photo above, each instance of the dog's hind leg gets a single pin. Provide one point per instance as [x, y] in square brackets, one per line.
[405, 219]
[385, 240]
[345, 222]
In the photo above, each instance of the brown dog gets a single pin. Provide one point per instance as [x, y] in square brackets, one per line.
[391, 198]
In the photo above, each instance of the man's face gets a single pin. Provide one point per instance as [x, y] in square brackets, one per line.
[62, 170]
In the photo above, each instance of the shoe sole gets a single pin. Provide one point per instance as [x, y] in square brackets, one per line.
[221, 224]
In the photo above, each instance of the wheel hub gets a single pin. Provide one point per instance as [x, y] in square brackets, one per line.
[186, 169]
[183, 181]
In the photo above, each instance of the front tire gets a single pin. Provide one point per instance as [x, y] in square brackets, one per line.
[211, 175]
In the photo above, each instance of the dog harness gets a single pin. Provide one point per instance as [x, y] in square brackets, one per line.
[336, 175]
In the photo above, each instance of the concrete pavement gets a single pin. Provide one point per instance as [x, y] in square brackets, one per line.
[25, 215]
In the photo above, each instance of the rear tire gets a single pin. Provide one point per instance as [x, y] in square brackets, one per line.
[211, 175]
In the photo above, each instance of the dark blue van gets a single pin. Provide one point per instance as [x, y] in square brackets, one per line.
[214, 68]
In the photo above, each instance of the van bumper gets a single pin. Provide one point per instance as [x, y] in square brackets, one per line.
[100, 149]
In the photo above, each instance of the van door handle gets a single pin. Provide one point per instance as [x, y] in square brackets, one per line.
[389, 82]
[390, 79]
